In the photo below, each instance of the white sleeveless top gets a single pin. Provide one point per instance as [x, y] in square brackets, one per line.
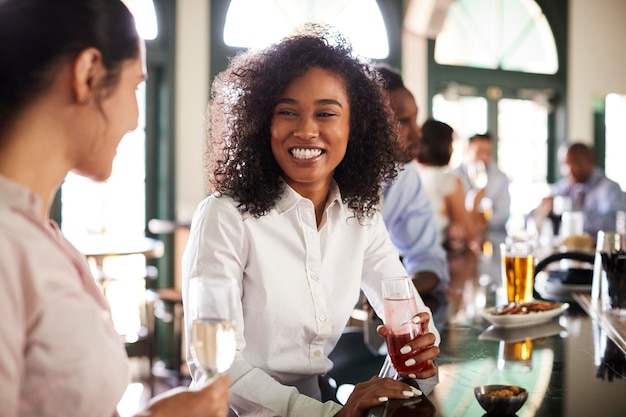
[439, 182]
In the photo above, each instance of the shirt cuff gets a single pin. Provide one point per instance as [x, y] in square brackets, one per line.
[301, 405]
[426, 385]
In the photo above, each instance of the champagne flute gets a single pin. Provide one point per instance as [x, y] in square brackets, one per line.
[212, 306]
[477, 173]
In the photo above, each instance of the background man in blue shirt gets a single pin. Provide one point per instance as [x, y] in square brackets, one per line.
[590, 191]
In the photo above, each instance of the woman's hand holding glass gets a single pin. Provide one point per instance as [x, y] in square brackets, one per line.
[423, 347]
[374, 392]
[409, 343]
[209, 401]
[212, 309]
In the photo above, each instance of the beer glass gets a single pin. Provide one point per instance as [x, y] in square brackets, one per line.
[515, 356]
[518, 268]
[572, 223]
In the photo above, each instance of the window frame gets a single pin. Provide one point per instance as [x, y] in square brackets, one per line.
[160, 133]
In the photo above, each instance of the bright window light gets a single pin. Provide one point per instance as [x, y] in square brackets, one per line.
[258, 23]
[145, 17]
[615, 143]
[511, 35]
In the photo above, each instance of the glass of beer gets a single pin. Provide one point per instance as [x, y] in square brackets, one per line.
[518, 269]
[515, 356]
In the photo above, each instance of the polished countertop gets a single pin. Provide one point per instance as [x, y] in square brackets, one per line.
[569, 365]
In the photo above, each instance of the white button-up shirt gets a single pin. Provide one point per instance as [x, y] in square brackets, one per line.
[299, 285]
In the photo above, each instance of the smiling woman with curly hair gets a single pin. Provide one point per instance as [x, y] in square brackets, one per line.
[300, 143]
[241, 163]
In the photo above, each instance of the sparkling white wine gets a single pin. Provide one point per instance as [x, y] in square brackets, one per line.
[213, 344]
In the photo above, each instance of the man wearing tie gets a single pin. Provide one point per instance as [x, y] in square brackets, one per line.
[480, 150]
[589, 190]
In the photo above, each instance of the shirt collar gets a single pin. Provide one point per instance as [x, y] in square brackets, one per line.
[291, 198]
[594, 178]
[17, 197]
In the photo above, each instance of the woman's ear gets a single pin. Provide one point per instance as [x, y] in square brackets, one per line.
[87, 71]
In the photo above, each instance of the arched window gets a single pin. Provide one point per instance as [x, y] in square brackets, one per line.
[257, 23]
[506, 34]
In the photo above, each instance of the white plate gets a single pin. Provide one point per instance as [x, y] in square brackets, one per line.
[522, 320]
[511, 335]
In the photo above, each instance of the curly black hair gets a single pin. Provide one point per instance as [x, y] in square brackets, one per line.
[239, 158]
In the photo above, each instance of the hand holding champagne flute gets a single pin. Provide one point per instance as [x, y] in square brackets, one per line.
[213, 341]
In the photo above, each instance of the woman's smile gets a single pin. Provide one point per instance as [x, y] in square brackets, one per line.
[306, 153]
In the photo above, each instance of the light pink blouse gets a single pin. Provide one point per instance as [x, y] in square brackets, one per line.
[59, 352]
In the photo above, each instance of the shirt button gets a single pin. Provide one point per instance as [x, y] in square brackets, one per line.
[322, 318]
[314, 277]
[317, 353]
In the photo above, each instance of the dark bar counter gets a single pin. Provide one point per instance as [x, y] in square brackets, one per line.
[569, 365]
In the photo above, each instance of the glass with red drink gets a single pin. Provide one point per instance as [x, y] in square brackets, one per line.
[400, 309]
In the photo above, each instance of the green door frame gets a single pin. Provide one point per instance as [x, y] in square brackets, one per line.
[160, 159]
[599, 131]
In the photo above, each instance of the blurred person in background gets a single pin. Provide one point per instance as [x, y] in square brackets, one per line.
[407, 210]
[479, 172]
[457, 226]
[587, 189]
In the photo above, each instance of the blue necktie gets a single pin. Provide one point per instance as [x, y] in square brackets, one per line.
[579, 196]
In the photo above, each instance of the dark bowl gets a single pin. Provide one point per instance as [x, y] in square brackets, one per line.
[498, 405]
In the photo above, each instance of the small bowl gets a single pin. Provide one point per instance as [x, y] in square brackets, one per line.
[496, 405]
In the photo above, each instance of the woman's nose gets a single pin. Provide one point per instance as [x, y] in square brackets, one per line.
[306, 129]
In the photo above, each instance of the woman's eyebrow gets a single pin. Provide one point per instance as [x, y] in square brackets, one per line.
[320, 101]
[329, 101]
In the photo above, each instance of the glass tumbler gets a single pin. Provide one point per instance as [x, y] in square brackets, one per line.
[609, 272]
[400, 308]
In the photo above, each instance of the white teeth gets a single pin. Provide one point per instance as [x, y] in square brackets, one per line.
[301, 153]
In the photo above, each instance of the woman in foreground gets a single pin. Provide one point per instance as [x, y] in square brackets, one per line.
[300, 140]
[69, 73]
